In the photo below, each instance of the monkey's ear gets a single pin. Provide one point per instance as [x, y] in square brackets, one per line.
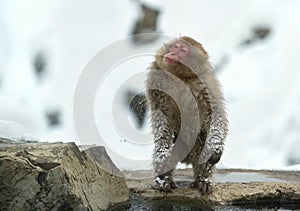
[166, 46]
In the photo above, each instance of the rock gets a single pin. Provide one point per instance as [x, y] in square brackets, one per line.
[99, 155]
[55, 176]
[231, 187]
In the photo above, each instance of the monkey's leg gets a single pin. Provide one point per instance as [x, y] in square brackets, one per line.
[161, 157]
[203, 172]
[212, 149]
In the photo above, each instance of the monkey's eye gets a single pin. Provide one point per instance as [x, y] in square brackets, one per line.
[175, 46]
[184, 50]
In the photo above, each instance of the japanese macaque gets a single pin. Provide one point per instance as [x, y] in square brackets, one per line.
[188, 117]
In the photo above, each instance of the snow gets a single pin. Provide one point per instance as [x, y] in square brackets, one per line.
[14, 131]
[292, 168]
[260, 81]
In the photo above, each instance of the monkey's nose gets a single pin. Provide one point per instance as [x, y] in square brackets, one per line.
[174, 53]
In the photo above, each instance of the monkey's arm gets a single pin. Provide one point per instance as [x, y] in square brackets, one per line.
[163, 141]
[214, 144]
[216, 124]
[215, 127]
[162, 128]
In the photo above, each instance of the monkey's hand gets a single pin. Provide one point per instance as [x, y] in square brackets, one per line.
[204, 185]
[163, 183]
[211, 152]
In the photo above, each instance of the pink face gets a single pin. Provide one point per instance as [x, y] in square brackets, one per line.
[177, 51]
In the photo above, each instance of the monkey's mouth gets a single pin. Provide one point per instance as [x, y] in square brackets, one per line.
[169, 60]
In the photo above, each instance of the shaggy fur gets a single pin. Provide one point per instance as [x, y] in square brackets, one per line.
[184, 98]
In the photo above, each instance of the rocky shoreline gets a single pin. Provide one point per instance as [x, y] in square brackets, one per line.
[264, 187]
[58, 176]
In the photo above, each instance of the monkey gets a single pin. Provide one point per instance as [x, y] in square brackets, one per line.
[187, 113]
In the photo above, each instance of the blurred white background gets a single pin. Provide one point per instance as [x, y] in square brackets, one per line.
[253, 47]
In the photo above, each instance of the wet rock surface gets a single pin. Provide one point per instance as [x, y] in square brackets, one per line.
[58, 176]
[232, 187]
[55, 176]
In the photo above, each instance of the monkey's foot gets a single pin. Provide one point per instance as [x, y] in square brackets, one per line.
[204, 185]
[163, 184]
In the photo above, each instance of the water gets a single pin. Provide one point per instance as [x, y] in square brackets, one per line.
[245, 177]
[225, 176]
[140, 203]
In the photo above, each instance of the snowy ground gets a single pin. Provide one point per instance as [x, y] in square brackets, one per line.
[260, 79]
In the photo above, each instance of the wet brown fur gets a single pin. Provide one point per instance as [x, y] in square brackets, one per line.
[196, 73]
